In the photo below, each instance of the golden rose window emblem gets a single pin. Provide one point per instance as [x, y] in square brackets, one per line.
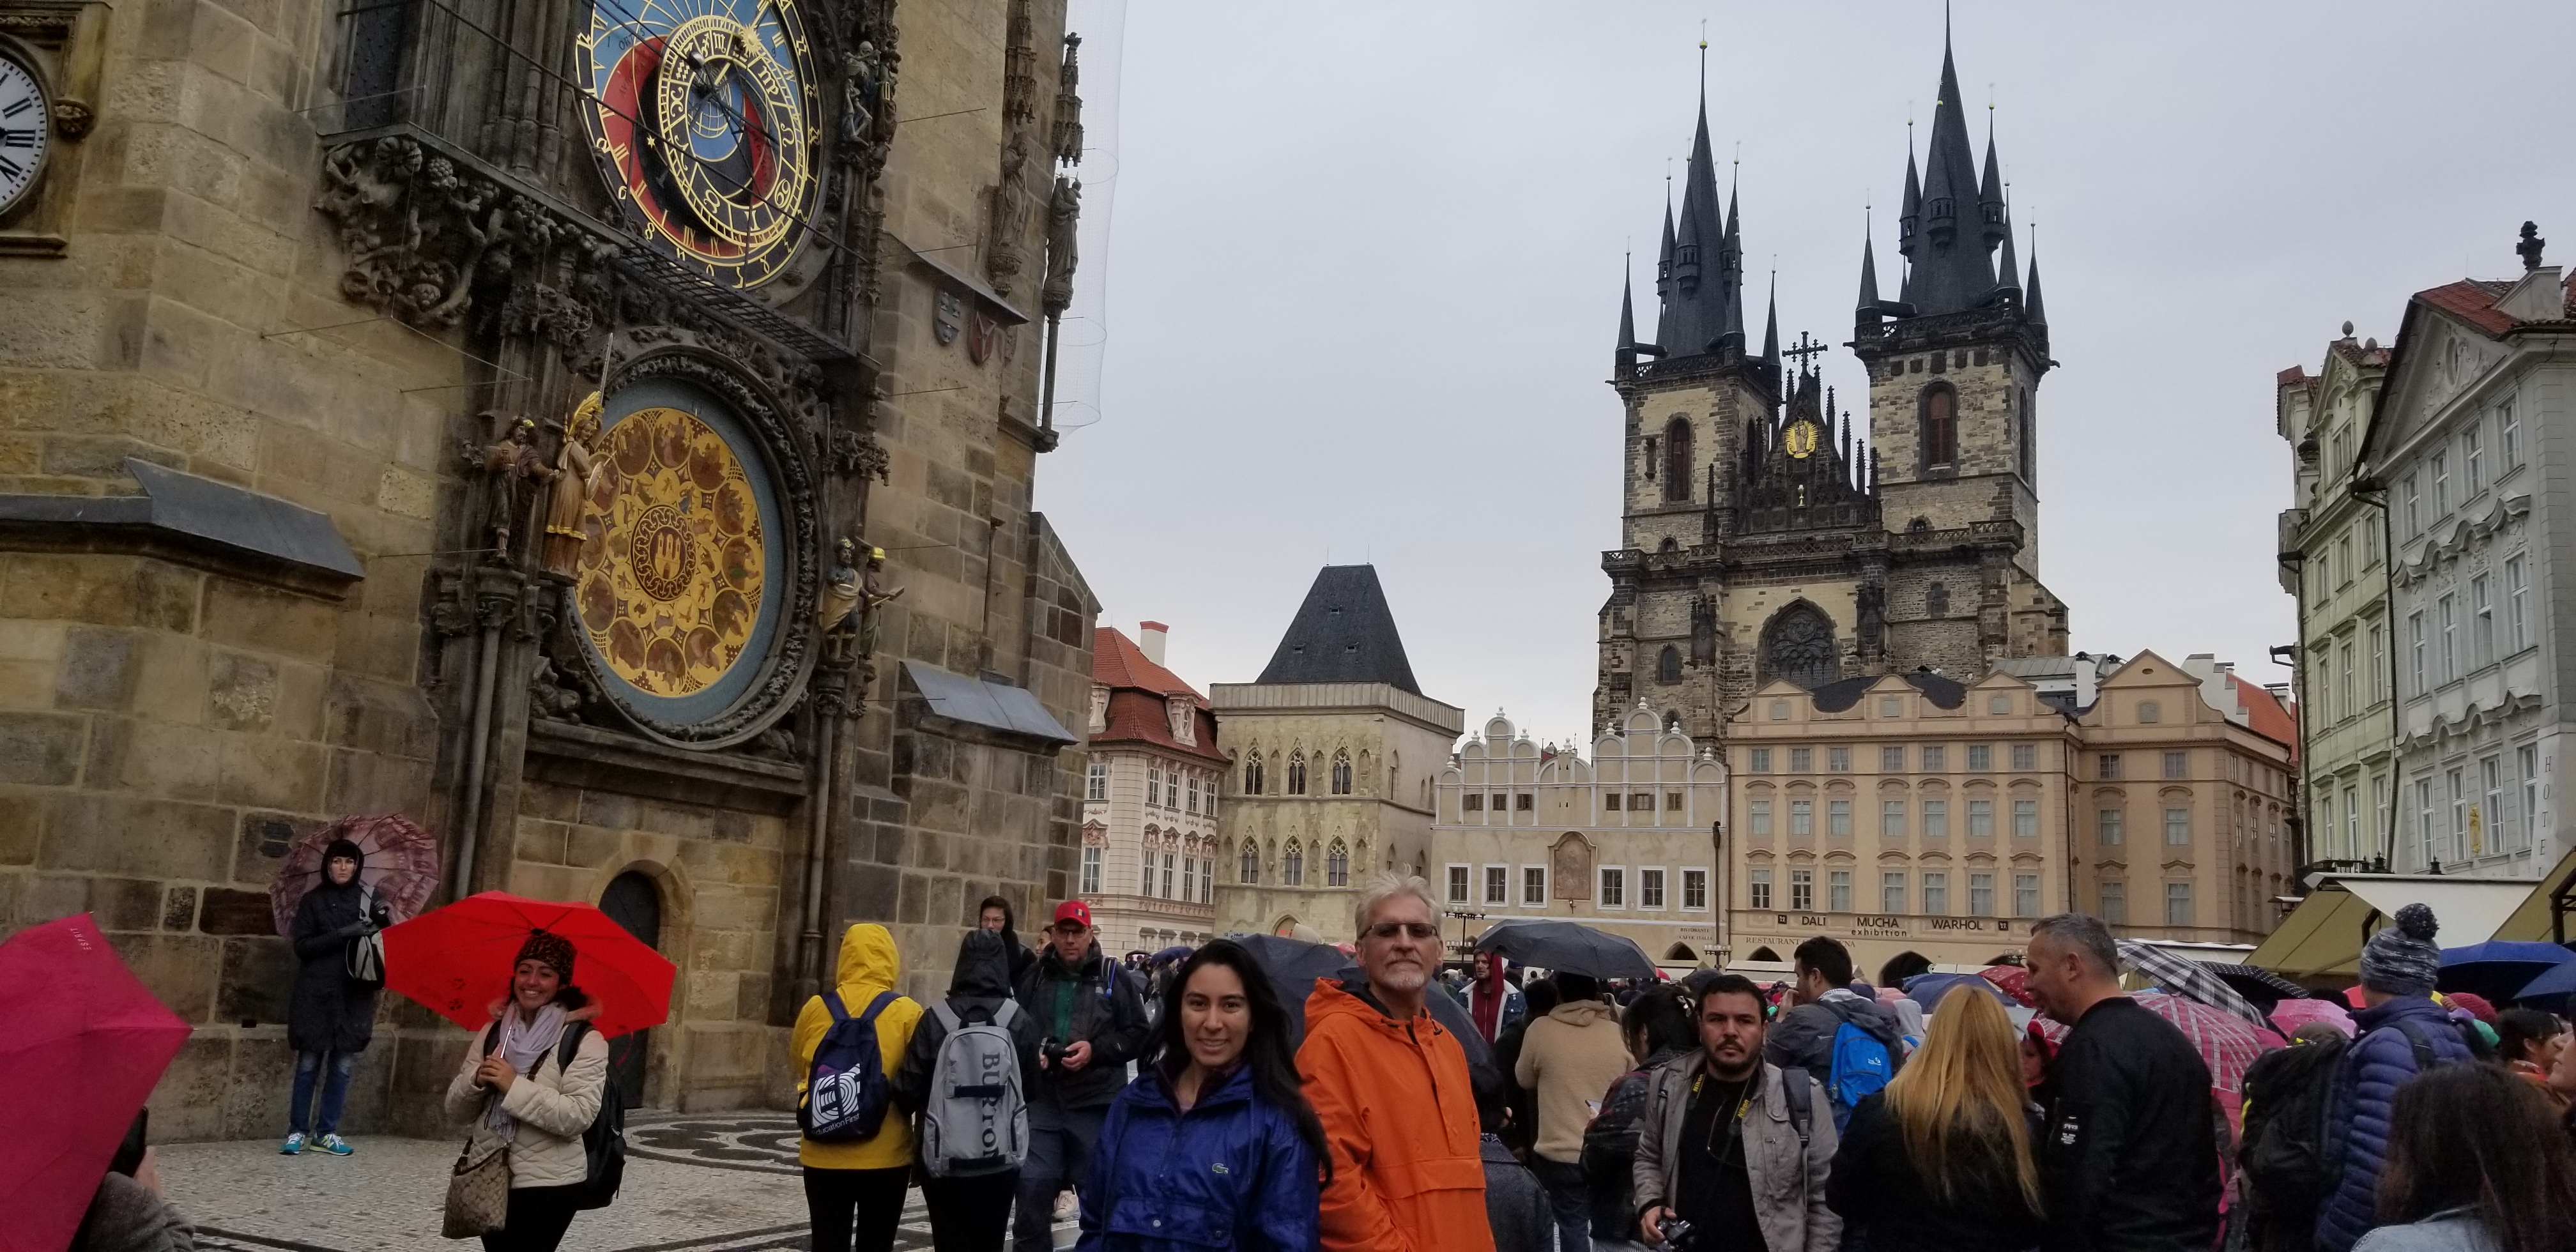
[672, 561]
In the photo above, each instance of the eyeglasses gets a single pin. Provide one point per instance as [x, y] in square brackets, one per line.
[1418, 930]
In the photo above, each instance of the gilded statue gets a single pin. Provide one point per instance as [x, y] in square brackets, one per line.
[577, 474]
[873, 598]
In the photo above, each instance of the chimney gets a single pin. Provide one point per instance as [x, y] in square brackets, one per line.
[1149, 639]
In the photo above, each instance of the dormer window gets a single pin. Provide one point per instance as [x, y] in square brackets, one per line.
[1184, 724]
[1099, 708]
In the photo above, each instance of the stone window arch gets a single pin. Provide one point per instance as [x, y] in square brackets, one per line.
[1337, 865]
[1341, 773]
[1668, 665]
[1936, 600]
[1252, 775]
[1798, 644]
[1297, 773]
[1251, 868]
[1677, 459]
[1292, 865]
[1940, 426]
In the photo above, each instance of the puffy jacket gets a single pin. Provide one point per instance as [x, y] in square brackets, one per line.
[1400, 1118]
[1570, 1057]
[869, 964]
[2379, 1061]
[1108, 1011]
[1230, 1172]
[329, 1012]
[2129, 1162]
[552, 1106]
[1787, 1177]
[977, 987]
[1804, 1035]
[1884, 1199]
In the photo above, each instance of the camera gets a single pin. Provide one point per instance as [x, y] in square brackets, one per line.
[1679, 1235]
[1052, 1051]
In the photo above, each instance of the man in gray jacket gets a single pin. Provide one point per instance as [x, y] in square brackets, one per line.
[1736, 1147]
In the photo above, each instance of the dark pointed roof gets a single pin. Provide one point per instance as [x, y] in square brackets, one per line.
[2031, 311]
[1627, 310]
[2008, 266]
[1697, 305]
[1664, 272]
[1948, 242]
[1343, 633]
[1771, 326]
[1868, 305]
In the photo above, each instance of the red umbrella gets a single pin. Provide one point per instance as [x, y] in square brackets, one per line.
[400, 864]
[85, 1044]
[2223, 1040]
[457, 960]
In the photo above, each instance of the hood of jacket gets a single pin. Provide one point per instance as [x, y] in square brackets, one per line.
[2420, 1009]
[1582, 1013]
[1869, 1015]
[983, 968]
[869, 964]
[1152, 1090]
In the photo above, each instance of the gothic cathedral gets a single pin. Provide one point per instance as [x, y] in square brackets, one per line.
[1764, 537]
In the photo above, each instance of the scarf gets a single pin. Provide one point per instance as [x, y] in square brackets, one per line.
[524, 1045]
[1486, 997]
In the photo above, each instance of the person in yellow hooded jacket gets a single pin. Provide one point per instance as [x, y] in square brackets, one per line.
[854, 1189]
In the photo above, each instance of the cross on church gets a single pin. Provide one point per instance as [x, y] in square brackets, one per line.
[1806, 347]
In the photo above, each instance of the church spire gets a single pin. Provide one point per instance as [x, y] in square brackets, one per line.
[1664, 272]
[2032, 311]
[1698, 304]
[1990, 189]
[1865, 313]
[1771, 328]
[1951, 237]
[1624, 353]
[2007, 266]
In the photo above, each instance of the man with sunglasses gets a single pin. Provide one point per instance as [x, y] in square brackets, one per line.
[1392, 1089]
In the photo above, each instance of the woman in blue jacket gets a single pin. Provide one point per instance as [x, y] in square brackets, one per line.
[1213, 1145]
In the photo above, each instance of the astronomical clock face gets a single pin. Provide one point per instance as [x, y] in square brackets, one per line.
[681, 572]
[1801, 440]
[703, 120]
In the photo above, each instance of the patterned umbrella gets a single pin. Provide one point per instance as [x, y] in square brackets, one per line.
[2224, 1042]
[2014, 981]
[400, 866]
[2191, 979]
[2259, 986]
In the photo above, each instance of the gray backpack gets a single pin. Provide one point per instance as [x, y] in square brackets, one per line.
[977, 1119]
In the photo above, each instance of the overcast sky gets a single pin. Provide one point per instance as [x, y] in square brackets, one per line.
[1362, 284]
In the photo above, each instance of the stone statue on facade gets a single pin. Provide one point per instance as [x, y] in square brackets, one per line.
[844, 588]
[577, 473]
[1012, 205]
[515, 467]
[2529, 248]
[1064, 213]
[862, 76]
[873, 597]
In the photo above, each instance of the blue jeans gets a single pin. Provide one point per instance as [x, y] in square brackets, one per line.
[335, 1091]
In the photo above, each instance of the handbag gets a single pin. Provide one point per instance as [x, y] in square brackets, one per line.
[478, 1192]
[363, 958]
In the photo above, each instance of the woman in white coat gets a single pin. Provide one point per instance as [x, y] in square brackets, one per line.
[515, 1088]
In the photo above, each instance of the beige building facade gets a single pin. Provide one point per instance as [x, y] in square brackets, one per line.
[302, 514]
[1149, 801]
[1333, 752]
[1624, 841]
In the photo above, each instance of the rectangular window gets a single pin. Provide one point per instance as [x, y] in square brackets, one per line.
[2177, 765]
[1525, 801]
[1189, 878]
[1672, 802]
[2448, 607]
[2106, 826]
[1802, 817]
[2025, 819]
[1802, 890]
[1498, 884]
[1761, 761]
[2351, 689]
[1838, 760]
[1981, 819]
[1458, 884]
[1936, 893]
[1891, 819]
[1838, 817]
[1194, 793]
[2025, 756]
[1614, 888]
[2473, 459]
[1757, 888]
[2423, 820]
[1936, 819]
[1091, 871]
[1935, 760]
[2517, 594]
[1838, 891]
[2107, 766]
[1641, 802]
[1891, 759]
[1097, 785]
[2351, 818]
[1981, 895]
[1758, 819]
[2025, 895]
[2441, 485]
[1167, 875]
[2491, 819]
[2415, 651]
[2115, 903]
[1474, 802]
[2482, 635]
[2414, 507]
[1534, 886]
[1500, 803]
[1694, 889]
[1981, 758]
[2459, 789]
[1650, 888]
[2378, 663]
[1801, 760]
[2178, 904]
[1891, 891]
[1153, 788]
[1145, 886]
[2177, 827]
[2508, 437]
[2526, 761]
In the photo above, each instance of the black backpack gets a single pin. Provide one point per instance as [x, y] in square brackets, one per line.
[603, 1142]
[2289, 1093]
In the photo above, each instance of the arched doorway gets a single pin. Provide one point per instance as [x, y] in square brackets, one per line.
[634, 902]
[1763, 954]
[1680, 952]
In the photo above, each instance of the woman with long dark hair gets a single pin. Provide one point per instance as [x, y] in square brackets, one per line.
[1940, 1161]
[2475, 1164]
[533, 1080]
[1214, 1144]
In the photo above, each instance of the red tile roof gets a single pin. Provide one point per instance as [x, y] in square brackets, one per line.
[2472, 300]
[1138, 692]
[2293, 376]
[2270, 718]
[1116, 661]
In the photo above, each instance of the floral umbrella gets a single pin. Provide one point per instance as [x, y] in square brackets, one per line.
[400, 865]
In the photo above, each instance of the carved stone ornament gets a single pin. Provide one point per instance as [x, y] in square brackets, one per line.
[419, 233]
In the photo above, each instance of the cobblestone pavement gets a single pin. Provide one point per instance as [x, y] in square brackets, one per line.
[706, 1182]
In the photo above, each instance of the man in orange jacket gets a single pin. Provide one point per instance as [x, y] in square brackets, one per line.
[1392, 1090]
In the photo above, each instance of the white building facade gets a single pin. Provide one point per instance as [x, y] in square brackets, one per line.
[1624, 841]
[1149, 809]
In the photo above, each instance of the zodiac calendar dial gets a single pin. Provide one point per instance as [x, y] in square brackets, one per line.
[702, 116]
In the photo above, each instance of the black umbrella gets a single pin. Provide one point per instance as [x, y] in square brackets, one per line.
[2261, 986]
[1294, 964]
[1575, 949]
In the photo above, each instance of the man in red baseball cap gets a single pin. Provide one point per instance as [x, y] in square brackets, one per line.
[1093, 1017]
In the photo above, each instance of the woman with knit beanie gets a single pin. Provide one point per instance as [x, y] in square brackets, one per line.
[330, 1016]
[2403, 1033]
[520, 1086]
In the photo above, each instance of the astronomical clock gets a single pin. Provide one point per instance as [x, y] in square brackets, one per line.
[703, 118]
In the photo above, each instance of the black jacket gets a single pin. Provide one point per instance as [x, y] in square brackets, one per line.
[976, 991]
[1888, 1206]
[2128, 1161]
[1108, 1012]
[1610, 1150]
[328, 1012]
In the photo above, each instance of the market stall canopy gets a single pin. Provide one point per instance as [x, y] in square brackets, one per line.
[2323, 936]
[2536, 918]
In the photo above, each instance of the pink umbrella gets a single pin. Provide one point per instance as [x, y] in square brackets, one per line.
[400, 865]
[85, 1044]
[2223, 1040]
[2289, 1015]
